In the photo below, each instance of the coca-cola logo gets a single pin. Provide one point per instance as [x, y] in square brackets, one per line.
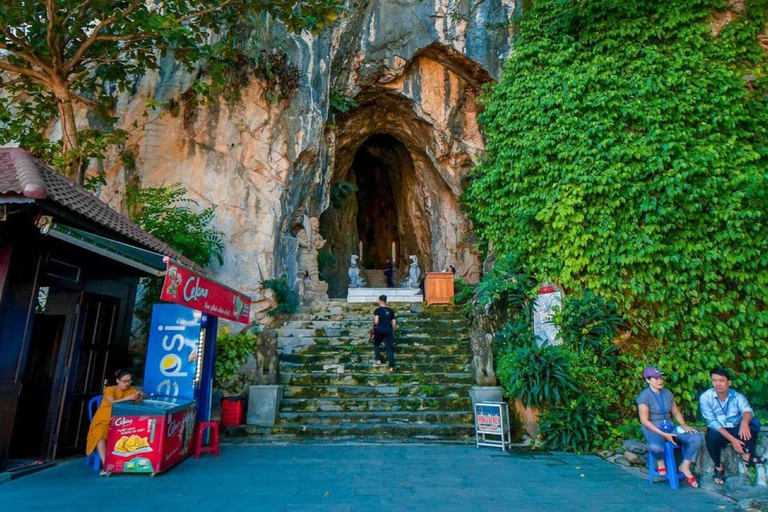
[122, 421]
[193, 290]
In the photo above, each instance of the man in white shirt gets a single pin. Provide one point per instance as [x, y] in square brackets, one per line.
[730, 419]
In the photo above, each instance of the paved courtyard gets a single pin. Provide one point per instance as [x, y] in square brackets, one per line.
[357, 477]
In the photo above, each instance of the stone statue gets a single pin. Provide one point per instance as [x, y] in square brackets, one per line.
[413, 272]
[355, 279]
[309, 243]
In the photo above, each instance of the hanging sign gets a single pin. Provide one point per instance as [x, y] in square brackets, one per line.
[185, 287]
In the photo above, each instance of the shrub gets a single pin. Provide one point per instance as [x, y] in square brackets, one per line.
[287, 299]
[578, 425]
[539, 376]
[232, 351]
[464, 292]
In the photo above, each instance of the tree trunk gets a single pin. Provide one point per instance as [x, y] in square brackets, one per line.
[69, 132]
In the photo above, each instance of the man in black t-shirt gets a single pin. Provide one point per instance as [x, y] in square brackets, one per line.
[384, 323]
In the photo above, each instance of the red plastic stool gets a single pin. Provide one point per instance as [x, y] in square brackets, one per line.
[213, 442]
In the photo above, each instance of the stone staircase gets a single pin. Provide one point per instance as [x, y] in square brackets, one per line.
[332, 389]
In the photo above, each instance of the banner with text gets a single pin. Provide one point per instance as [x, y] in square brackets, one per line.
[185, 287]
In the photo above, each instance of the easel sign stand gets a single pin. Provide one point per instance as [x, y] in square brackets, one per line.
[492, 425]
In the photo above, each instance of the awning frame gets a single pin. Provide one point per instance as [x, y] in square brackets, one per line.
[141, 259]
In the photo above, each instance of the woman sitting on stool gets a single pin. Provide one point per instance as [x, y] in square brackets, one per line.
[99, 430]
[654, 406]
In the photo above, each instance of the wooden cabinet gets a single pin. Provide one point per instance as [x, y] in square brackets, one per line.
[438, 288]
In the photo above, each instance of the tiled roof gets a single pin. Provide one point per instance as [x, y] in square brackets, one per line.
[23, 176]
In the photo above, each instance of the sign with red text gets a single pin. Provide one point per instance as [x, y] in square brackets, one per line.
[492, 425]
[185, 287]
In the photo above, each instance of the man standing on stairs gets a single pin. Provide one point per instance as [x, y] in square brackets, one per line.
[384, 323]
[389, 273]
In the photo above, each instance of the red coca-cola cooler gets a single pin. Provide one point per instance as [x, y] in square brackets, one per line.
[150, 436]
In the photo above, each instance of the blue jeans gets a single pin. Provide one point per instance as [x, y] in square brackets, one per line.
[690, 444]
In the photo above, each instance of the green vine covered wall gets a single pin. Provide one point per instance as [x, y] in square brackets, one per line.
[627, 154]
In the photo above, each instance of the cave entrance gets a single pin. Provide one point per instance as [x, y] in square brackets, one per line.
[383, 207]
[375, 173]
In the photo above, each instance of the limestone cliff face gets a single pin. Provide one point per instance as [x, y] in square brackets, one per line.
[414, 68]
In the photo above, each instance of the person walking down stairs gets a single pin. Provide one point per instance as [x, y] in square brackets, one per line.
[384, 323]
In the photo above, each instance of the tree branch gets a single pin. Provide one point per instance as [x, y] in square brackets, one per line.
[49, 29]
[27, 72]
[197, 14]
[26, 51]
[71, 63]
[80, 9]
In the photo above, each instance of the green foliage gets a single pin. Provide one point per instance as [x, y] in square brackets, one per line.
[286, 298]
[341, 101]
[464, 292]
[589, 322]
[626, 153]
[232, 351]
[507, 286]
[584, 388]
[340, 192]
[166, 213]
[539, 376]
[577, 425]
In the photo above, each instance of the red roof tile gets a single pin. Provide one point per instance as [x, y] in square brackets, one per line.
[23, 176]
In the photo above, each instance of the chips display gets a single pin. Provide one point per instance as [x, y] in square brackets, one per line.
[131, 444]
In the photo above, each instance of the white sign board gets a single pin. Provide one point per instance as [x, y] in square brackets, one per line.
[548, 301]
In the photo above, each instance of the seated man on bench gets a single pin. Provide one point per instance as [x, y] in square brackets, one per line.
[730, 419]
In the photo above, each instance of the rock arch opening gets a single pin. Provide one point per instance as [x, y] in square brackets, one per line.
[381, 212]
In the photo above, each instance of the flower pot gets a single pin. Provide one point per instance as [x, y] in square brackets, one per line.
[231, 412]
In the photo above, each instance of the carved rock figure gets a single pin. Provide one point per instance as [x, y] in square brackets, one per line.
[310, 242]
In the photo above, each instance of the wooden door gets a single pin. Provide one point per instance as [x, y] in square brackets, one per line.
[87, 366]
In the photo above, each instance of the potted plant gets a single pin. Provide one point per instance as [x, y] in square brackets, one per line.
[232, 352]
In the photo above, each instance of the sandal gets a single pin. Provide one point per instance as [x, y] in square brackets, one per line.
[719, 474]
[692, 481]
[391, 370]
[662, 471]
[377, 363]
[754, 460]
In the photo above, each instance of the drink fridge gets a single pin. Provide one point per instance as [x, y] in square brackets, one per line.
[150, 436]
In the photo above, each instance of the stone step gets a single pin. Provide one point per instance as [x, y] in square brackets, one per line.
[377, 417]
[436, 338]
[365, 322]
[413, 432]
[377, 404]
[365, 356]
[401, 347]
[403, 365]
[372, 379]
[394, 295]
[353, 391]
